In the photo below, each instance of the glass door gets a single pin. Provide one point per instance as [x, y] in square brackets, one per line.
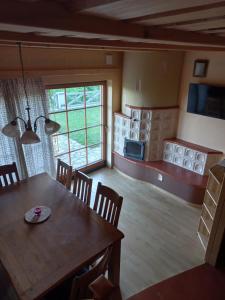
[79, 109]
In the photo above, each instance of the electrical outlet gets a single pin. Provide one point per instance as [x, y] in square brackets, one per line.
[160, 177]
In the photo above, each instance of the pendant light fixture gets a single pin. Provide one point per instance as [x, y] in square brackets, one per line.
[29, 136]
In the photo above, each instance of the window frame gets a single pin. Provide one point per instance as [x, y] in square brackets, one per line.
[102, 125]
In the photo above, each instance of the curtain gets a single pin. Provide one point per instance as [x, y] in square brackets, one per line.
[30, 159]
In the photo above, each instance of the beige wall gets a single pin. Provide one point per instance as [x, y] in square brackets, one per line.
[205, 131]
[49, 58]
[58, 66]
[151, 78]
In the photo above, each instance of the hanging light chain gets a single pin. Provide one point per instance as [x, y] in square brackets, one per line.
[29, 136]
[23, 73]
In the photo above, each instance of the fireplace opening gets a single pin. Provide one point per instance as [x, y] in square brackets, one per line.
[134, 149]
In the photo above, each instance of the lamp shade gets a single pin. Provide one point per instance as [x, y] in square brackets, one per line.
[29, 137]
[11, 130]
[51, 127]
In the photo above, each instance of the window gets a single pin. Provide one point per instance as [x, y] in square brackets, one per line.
[80, 112]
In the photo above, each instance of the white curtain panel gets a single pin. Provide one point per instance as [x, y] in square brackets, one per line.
[9, 148]
[30, 159]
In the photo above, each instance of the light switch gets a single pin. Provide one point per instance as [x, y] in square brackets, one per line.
[138, 85]
[109, 59]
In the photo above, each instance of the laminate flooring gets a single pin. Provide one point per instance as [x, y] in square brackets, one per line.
[160, 232]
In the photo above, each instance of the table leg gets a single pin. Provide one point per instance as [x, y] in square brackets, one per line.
[114, 264]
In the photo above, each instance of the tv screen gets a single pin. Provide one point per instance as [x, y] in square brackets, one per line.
[206, 100]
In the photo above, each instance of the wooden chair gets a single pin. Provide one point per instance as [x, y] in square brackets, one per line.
[82, 185]
[79, 289]
[7, 290]
[103, 289]
[8, 175]
[64, 173]
[108, 204]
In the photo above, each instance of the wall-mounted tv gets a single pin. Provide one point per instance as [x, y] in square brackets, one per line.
[206, 100]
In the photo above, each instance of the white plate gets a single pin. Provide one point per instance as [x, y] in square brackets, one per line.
[30, 216]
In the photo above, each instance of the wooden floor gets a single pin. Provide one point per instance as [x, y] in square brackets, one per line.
[160, 232]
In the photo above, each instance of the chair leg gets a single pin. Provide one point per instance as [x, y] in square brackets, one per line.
[114, 264]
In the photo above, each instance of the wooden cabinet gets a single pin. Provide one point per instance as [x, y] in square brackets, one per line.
[212, 220]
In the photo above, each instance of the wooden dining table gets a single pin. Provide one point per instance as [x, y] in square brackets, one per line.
[38, 257]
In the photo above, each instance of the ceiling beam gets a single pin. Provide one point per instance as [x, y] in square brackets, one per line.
[68, 24]
[176, 12]
[70, 43]
[212, 30]
[79, 5]
[176, 35]
[194, 21]
[74, 5]
[42, 7]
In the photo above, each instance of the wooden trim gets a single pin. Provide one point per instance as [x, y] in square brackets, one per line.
[176, 12]
[31, 40]
[67, 126]
[93, 167]
[75, 109]
[76, 84]
[85, 124]
[104, 121]
[122, 115]
[76, 150]
[151, 107]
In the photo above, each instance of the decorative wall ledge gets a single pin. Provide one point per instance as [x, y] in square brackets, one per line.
[176, 180]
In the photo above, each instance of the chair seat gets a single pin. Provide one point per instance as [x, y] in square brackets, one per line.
[103, 289]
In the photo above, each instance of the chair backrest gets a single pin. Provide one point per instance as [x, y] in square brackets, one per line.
[64, 173]
[8, 174]
[108, 204]
[82, 185]
[80, 283]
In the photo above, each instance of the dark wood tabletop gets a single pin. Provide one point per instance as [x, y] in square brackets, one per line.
[37, 257]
